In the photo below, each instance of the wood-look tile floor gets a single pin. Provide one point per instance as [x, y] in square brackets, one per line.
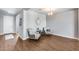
[45, 43]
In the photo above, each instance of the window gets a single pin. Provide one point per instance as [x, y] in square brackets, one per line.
[8, 24]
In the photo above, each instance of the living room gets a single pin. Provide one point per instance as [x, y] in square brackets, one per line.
[43, 28]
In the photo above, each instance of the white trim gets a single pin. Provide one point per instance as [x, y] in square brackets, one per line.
[21, 37]
[65, 36]
[7, 33]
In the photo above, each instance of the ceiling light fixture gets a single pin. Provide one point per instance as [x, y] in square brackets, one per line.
[50, 11]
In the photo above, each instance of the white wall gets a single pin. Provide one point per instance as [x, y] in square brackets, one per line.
[19, 29]
[17, 23]
[62, 24]
[78, 23]
[32, 19]
[29, 21]
[1, 24]
[25, 25]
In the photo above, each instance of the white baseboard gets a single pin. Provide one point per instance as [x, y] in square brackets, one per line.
[6, 33]
[66, 36]
[21, 37]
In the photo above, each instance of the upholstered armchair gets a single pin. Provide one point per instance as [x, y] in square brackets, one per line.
[33, 34]
[47, 30]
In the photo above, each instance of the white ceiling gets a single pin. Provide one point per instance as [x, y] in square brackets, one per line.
[11, 10]
[14, 11]
[57, 10]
